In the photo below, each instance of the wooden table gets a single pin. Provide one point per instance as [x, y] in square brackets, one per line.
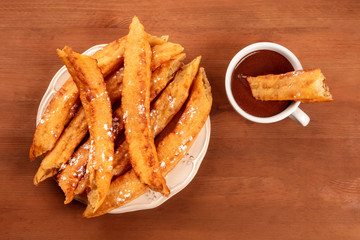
[257, 181]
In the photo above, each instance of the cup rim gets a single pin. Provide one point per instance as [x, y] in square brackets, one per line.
[242, 53]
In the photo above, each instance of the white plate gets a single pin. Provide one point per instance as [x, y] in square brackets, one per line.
[176, 180]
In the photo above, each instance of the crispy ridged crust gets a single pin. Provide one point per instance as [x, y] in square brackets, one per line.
[173, 97]
[176, 144]
[74, 170]
[300, 85]
[163, 110]
[122, 190]
[63, 149]
[163, 53]
[163, 74]
[97, 106]
[83, 184]
[136, 108]
[64, 104]
[114, 85]
[121, 161]
[111, 56]
[170, 150]
[69, 177]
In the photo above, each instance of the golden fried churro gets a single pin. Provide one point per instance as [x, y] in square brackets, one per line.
[300, 85]
[136, 108]
[178, 142]
[173, 97]
[97, 106]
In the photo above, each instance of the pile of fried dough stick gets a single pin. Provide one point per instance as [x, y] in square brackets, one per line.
[131, 89]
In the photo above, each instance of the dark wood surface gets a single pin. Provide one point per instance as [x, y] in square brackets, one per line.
[257, 181]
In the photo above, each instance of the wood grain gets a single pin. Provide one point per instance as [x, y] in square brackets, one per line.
[257, 181]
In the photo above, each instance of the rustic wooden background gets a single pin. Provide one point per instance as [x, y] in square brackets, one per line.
[276, 181]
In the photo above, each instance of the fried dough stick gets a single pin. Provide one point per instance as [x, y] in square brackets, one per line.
[300, 85]
[136, 108]
[74, 134]
[163, 110]
[97, 106]
[63, 106]
[69, 178]
[170, 150]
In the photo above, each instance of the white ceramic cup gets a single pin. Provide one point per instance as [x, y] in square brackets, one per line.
[293, 111]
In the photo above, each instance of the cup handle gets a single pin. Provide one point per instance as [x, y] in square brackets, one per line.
[299, 116]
